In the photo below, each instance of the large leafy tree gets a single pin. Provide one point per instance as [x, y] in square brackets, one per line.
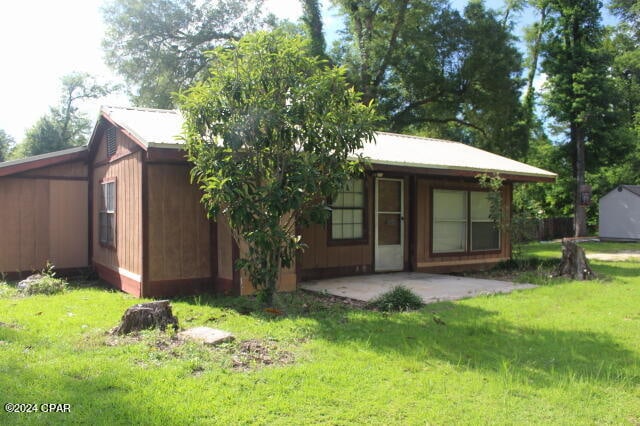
[65, 125]
[435, 71]
[6, 143]
[158, 45]
[269, 133]
[577, 88]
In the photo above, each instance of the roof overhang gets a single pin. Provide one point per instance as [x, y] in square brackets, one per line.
[381, 166]
[44, 160]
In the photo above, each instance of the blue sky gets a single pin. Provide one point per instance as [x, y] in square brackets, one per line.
[43, 40]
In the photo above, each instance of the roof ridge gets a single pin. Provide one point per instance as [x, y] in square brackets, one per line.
[424, 138]
[133, 108]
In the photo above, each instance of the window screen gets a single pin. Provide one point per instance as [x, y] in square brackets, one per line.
[461, 222]
[449, 221]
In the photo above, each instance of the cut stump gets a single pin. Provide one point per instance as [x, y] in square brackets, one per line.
[145, 316]
[574, 262]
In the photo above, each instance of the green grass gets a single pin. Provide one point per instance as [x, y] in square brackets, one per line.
[567, 353]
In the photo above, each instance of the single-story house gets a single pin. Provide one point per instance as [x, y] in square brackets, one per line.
[620, 214]
[124, 205]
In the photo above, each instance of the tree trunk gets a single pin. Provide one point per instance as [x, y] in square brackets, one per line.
[580, 214]
[574, 262]
[147, 316]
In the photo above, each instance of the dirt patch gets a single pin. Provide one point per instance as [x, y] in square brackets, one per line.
[254, 353]
[615, 257]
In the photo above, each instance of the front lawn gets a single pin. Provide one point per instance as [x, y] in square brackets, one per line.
[564, 353]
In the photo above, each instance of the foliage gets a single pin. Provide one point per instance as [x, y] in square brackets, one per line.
[64, 126]
[578, 96]
[516, 226]
[269, 133]
[6, 143]
[561, 354]
[312, 19]
[158, 46]
[399, 298]
[435, 72]
[47, 284]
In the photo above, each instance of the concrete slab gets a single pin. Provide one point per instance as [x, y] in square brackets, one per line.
[431, 287]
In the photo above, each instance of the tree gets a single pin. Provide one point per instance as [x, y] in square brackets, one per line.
[312, 19]
[577, 95]
[436, 72]
[269, 133]
[64, 126]
[6, 143]
[158, 45]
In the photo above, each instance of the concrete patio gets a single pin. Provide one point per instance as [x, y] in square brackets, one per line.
[431, 287]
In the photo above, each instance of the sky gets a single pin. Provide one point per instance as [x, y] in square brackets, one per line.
[43, 40]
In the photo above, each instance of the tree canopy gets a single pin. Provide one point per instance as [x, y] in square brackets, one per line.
[158, 45]
[269, 133]
[6, 143]
[64, 126]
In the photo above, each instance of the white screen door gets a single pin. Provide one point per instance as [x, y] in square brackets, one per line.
[389, 226]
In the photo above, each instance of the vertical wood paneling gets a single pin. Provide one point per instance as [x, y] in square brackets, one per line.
[225, 244]
[319, 254]
[43, 220]
[128, 251]
[178, 226]
[68, 229]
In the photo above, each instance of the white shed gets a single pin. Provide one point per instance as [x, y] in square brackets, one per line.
[620, 214]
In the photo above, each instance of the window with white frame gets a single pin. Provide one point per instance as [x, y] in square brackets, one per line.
[462, 223]
[347, 212]
[107, 222]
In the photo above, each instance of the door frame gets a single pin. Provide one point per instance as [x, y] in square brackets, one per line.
[375, 225]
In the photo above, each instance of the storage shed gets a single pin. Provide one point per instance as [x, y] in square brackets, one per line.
[620, 214]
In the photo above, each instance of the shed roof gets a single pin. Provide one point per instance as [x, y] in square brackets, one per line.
[635, 189]
[43, 160]
[160, 128]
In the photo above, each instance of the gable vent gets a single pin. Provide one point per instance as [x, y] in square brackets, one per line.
[111, 141]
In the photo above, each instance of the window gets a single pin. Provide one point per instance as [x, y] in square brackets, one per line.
[111, 141]
[461, 222]
[347, 215]
[484, 234]
[108, 214]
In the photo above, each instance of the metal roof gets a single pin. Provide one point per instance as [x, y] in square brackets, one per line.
[419, 152]
[632, 188]
[50, 158]
[161, 128]
[151, 127]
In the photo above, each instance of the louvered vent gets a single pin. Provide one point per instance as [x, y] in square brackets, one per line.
[111, 141]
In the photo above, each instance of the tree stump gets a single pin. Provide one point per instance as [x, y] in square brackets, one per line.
[574, 262]
[146, 316]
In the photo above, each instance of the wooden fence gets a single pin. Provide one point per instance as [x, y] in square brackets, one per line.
[550, 228]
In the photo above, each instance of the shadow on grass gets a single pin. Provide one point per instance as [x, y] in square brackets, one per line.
[471, 337]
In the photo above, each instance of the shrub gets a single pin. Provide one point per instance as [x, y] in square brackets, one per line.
[45, 285]
[399, 298]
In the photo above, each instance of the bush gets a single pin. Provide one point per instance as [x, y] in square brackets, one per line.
[399, 298]
[45, 285]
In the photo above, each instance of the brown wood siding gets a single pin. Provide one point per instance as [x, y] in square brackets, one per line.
[225, 250]
[124, 146]
[127, 253]
[441, 263]
[44, 220]
[179, 237]
[69, 230]
[342, 259]
[72, 170]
